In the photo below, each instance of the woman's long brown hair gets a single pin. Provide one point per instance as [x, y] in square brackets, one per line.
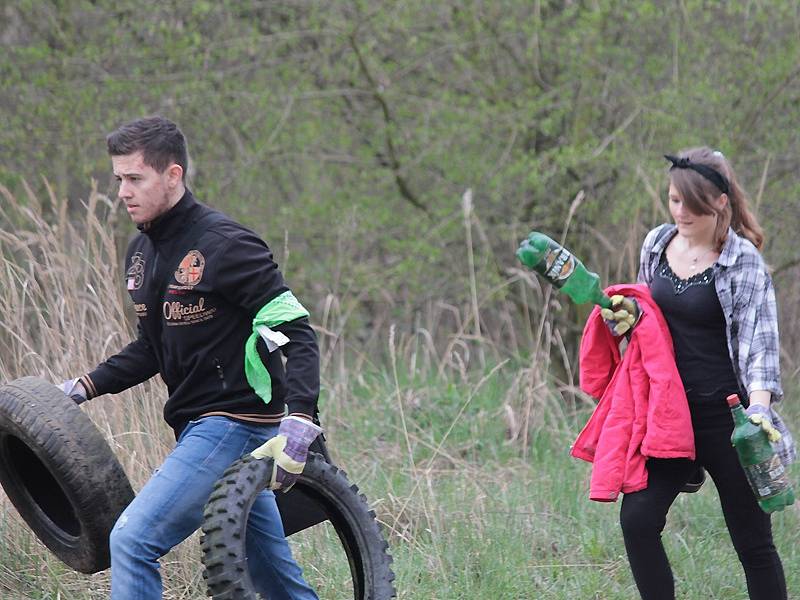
[698, 193]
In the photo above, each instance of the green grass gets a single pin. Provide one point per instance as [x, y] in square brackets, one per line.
[472, 520]
[477, 520]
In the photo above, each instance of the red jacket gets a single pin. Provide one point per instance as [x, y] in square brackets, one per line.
[643, 411]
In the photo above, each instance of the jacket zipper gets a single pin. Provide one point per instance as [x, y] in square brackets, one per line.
[220, 373]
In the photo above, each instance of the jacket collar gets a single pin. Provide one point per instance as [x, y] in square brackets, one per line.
[171, 221]
[731, 249]
[664, 239]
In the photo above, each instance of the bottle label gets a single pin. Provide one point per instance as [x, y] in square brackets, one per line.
[767, 478]
[559, 265]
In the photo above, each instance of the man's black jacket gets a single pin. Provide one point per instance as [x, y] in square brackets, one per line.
[193, 333]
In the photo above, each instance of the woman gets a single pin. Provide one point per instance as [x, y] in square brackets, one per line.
[709, 280]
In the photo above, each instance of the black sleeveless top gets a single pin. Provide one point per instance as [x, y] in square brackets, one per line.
[697, 324]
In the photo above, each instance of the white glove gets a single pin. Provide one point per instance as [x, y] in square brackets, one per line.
[74, 389]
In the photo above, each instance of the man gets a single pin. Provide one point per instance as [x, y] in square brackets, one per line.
[212, 309]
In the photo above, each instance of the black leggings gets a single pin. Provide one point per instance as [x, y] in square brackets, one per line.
[644, 513]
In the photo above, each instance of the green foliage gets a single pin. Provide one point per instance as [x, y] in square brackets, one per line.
[353, 130]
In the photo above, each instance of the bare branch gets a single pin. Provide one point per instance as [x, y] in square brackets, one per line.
[389, 123]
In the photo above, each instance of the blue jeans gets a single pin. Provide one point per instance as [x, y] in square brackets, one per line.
[170, 507]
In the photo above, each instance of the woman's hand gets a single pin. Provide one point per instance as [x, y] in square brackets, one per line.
[624, 313]
[759, 413]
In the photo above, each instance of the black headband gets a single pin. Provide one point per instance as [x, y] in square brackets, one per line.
[709, 173]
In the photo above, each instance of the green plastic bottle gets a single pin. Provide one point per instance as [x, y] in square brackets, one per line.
[763, 468]
[561, 268]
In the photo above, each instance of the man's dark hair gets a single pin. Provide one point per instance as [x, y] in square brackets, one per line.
[159, 140]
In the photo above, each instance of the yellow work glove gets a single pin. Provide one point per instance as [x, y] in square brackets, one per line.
[766, 425]
[623, 314]
[289, 450]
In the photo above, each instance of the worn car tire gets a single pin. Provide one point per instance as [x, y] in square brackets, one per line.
[60, 473]
[225, 522]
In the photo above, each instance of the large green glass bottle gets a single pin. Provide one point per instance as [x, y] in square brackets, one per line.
[561, 268]
[763, 468]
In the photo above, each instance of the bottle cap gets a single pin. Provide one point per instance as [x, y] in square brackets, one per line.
[733, 400]
[533, 249]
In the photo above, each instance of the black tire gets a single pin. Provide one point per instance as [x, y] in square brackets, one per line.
[225, 521]
[60, 473]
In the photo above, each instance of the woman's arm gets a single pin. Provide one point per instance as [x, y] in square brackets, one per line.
[762, 397]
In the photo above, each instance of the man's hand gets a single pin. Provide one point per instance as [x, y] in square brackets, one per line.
[288, 450]
[623, 314]
[759, 415]
[74, 389]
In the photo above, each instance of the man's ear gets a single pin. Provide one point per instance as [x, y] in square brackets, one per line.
[174, 175]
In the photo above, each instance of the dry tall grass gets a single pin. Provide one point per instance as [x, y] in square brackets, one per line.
[65, 310]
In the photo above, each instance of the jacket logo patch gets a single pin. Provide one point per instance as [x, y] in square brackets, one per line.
[135, 273]
[177, 313]
[190, 269]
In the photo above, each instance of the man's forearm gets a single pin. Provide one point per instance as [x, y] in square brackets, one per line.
[302, 366]
[133, 365]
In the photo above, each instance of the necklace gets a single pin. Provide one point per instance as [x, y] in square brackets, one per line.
[693, 266]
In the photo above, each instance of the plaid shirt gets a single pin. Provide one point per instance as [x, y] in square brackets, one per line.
[745, 292]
